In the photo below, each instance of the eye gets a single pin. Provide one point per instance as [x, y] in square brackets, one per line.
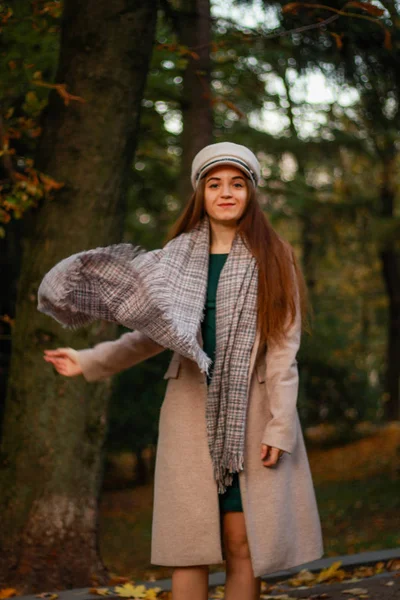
[212, 185]
[238, 184]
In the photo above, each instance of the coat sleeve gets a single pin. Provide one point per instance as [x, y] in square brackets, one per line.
[108, 358]
[282, 384]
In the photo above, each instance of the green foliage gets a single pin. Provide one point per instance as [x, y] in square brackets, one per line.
[28, 60]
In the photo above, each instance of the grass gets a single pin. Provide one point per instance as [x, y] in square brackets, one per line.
[357, 488]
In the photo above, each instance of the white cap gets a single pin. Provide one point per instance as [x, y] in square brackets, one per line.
[225, 153]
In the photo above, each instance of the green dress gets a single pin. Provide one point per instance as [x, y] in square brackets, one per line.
[230, 500]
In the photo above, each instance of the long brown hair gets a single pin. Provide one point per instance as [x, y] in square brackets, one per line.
[277, 262]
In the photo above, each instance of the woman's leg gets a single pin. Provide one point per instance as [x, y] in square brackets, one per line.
[190, 582]
[240, 581]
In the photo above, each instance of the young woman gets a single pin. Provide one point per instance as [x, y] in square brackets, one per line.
[232, 477]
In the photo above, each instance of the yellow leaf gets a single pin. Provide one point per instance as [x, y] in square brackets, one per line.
[151, 593]
[329, 571]
[219, 592]
[130, 591]
[99, 591]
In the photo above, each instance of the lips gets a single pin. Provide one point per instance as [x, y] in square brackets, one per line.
[227, 204]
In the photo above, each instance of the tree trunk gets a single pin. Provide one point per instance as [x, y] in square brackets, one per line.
[195, 32]
[390, 259]
[10, 259]
[54, 427]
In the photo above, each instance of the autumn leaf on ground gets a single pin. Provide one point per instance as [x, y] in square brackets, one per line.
[281, 597]
[152, 593]
[137, 592]
[130, 591]
[47, 595]
[304, 576]
[356, 591]
[332, 571]
[7, 593]
[393, 564]
[219, 592]
[99, 591]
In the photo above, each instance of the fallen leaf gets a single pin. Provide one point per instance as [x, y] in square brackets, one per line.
[8, 592]
[329, 571]
[393, 564]
[357, 591]
[151, 593]
[304, 576]
[281, 597]
[99, 591]
[130, 591]
[219, 592]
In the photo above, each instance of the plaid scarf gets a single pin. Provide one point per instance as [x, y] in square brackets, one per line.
[162, 293]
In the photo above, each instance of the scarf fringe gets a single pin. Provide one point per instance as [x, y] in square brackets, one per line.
[223, 473]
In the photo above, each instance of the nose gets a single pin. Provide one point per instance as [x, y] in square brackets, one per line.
[226, 191]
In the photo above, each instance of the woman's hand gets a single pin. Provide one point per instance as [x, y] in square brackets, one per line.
[270, 455]
[65, 361]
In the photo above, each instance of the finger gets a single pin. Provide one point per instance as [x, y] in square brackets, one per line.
[54, 353]
[52, 361]
[272, 459]
[264, 450]
[58, 351]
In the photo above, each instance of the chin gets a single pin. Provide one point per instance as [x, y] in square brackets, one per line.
[229, 219]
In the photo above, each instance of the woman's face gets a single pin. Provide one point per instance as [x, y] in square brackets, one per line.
[225, 194]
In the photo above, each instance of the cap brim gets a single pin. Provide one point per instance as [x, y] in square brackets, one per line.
[222, 164]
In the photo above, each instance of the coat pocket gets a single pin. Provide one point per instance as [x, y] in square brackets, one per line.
[173, 368]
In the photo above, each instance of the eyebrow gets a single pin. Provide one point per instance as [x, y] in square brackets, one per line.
[219, 178]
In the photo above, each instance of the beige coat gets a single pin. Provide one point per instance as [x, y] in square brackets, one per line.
[279, 504]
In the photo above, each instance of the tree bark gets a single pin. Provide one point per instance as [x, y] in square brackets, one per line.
[390, 260]
[196, 105]
[54, 427]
